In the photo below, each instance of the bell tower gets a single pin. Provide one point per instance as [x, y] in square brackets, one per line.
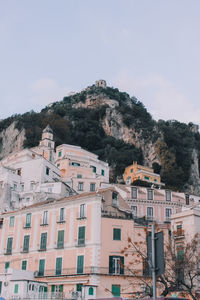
[47, 144]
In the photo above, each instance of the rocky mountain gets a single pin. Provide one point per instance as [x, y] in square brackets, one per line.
[116, 127]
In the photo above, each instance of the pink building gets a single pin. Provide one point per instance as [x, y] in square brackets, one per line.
[74, 244]
[154, 204]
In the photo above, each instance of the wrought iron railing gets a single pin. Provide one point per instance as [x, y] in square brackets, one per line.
[85, 271]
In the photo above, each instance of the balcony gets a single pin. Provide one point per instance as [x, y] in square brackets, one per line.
[179, 234]
[167, 220]
[27, 226]
[86, 271]
[60, 220]
[8, 252]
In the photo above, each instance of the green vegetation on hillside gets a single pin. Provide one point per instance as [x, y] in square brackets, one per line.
[174, 141]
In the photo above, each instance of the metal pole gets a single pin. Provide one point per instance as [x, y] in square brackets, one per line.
[153, 262]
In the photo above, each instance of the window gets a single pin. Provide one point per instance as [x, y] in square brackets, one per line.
[179, 230]
[15, 186]
[134, 210]
[22, 187]
[45, 218]
[24, 264]
[134, 193]
[168, 195]
[80, 186]
[116, 265]
[82, 211]
[79, 175]
[149, 194]
[57, 288]
[16, 289]
[102, 172]
[58, 265]
[91, 291]
[26, 243]
[58, 165]
[47, 171]
[92, 187]
[150, 213]
[60, 239]
[41, 267]
[59, 153]
[49, 190]
[94, 169]
[116, 234]
[43, 241]
[12, 221]
[81, 236]
[79, 287]
[62, 214]
[168, 213]
[80, 264]
[114, 198]
[19, 171]
[131, 170]
[7, 265]
[180, 252]
[31, 186]
[0, 287]
[187, 199]
[146, 177]
[9, 245]
[116, 290]
[28, 220]
[75, 164]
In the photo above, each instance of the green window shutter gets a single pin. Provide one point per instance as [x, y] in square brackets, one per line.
[102, 172]
[91, 291]
[81, 235]
[110, 264]
[7, 265]
[53, 288]
[9, 245]
[43, 241]
[116, 291]
[121, 265]
[116, 234]
[41, 267]
[0, 287]
[16, 289]
[60, 241]
[79, 287]
[61, 288]
[45, 289]
[26, 243]
[12, 221]
[58, 265]
[80, 263]
[28, 220]
[24, 264]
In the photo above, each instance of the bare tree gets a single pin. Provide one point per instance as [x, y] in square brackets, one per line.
[181, 264]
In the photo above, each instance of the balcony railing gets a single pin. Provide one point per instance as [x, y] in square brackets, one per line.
[86, 271]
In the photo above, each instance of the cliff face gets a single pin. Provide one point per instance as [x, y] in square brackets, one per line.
[118, 129]
[11, 140]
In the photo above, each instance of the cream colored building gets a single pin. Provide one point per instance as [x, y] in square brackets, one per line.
[81, 169]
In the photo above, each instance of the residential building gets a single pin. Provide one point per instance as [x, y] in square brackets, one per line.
[81, 169]
[138, 172]
[154, 204]
[74, 244]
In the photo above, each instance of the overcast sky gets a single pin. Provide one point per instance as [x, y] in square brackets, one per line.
[148, 48]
